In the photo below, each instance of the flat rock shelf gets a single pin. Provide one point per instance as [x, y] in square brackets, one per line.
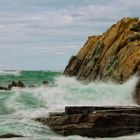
[95, 121]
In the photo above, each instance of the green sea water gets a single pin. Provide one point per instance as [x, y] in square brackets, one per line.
[19, 107]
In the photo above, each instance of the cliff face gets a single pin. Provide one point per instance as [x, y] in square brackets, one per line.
[113, 55]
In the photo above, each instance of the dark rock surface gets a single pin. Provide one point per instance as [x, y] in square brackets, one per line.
[10, 136]
[45, 82]
[16, 84]
[113, 55]
[137, 93]
[3, 88]
[31, 86]
[95, 121]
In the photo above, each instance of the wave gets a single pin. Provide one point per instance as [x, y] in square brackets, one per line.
[23, 105]
[34, 102]
[10, 72]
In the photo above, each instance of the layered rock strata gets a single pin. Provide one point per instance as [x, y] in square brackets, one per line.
[95, 121]
[113, 55]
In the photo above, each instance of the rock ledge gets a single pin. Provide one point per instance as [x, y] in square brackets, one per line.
[95, 121]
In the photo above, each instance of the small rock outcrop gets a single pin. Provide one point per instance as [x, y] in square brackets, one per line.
[137, 93]
[3, 88]
[95, 121]
[16, 84]
[113, 55]
[10, 136]
[45, 82]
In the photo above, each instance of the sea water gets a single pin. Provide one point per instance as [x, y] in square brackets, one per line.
[19, 107]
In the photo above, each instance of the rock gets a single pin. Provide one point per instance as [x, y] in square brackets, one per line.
[113, 55]
[16, 84]
[3, 88]
[31, 86]
[45, 82]
[9, 87]
[10, 136]
[20, 84]
[95, 121]
[136, 27]
[13, 84]
[137, 93]
[90, 109]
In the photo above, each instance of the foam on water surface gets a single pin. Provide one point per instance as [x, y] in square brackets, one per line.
[19, 106]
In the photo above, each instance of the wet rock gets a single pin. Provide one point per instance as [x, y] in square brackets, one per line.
[85, 110]
[95, 121]
[113, 55]
[31, 86]
[137, 93]
[10, 136]
[3, 88]
[16, 84]
[45, 82]
[20, 84]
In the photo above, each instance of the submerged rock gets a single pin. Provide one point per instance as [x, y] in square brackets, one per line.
[113, 55]
[10, 136]
[31, 86]
[3, 88]
[45, 82]
[95, 121]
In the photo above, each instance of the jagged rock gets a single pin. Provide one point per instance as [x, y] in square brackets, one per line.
[3, 88]
[95, 121]
[20, 84]
[113, 55]
[45, 82]
[16, 84]
[10, 136]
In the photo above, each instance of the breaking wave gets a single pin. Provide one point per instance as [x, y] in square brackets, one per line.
[10, 72]
[20, 106]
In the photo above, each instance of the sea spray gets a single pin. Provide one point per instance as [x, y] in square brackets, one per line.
[21, 106]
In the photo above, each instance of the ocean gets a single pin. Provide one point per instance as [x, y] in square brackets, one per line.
[20, 106]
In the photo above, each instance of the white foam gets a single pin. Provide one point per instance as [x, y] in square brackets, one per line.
[69, 92]
[7, 72]
[66, 92]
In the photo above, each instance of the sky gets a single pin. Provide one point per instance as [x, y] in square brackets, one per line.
[44, 34]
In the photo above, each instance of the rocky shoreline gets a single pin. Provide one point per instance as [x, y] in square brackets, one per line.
[95, 121]
[114, 55]
[20, 84]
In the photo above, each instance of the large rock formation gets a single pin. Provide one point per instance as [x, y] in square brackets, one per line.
[95, 121]
[113, 55]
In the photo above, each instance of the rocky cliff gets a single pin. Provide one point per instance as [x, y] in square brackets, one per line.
[113, 55]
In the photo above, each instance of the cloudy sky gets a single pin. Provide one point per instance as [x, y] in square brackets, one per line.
[43, 34]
